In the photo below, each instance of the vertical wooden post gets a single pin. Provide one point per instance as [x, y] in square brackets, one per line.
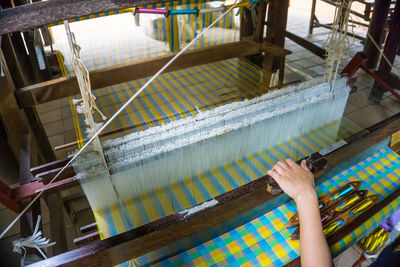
[57, 223]
[391, 49]
[260, 23]
[28, 220]
[375, 29]
[312, 17]
[246, 23]
[276, 33]
[8, 161]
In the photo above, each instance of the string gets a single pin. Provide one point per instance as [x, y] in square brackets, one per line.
[117, 113]
[337, 40]
[381, 51]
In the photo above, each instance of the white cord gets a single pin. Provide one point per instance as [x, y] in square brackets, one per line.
[117, 113]
[34, 241]
[381, 51]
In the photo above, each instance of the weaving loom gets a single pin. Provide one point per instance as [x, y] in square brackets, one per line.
[200, 136]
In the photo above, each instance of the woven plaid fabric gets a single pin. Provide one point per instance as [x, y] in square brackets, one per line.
[264, 241]
[177, 94]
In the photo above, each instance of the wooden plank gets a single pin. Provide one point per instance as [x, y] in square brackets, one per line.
[88, 228]
[33, 188]
[63, 87]
[49, 166]
[86, 238]
[46, 176]
[45, 12]
[268, 47]
[167, 230]
[317, 50]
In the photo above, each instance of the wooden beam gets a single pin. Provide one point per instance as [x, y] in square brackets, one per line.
[268, 48]
[136, 242]
[310, 46]
[86, 238]
[50, 166]
[376, 30]
[88, 228]
[63, 87]
[33, 188]
[45, 12]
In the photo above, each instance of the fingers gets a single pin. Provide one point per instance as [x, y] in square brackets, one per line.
[291, 162]
[282, 164]
[304, 165]
[274, 175]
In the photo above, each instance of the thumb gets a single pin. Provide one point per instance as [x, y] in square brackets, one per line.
[303, 164]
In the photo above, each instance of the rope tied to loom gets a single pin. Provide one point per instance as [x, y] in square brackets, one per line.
[34, 241]
[87, 104]
[338, 41]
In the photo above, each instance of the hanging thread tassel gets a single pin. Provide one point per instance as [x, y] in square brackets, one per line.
[34, 241]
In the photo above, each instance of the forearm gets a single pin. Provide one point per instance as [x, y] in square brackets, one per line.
[313, 246]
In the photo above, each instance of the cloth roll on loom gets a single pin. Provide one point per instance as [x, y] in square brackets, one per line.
[160, 156]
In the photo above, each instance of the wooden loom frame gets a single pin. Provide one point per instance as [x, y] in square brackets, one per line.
[119, 248]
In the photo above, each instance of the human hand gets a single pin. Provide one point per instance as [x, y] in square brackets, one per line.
[295, 180]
